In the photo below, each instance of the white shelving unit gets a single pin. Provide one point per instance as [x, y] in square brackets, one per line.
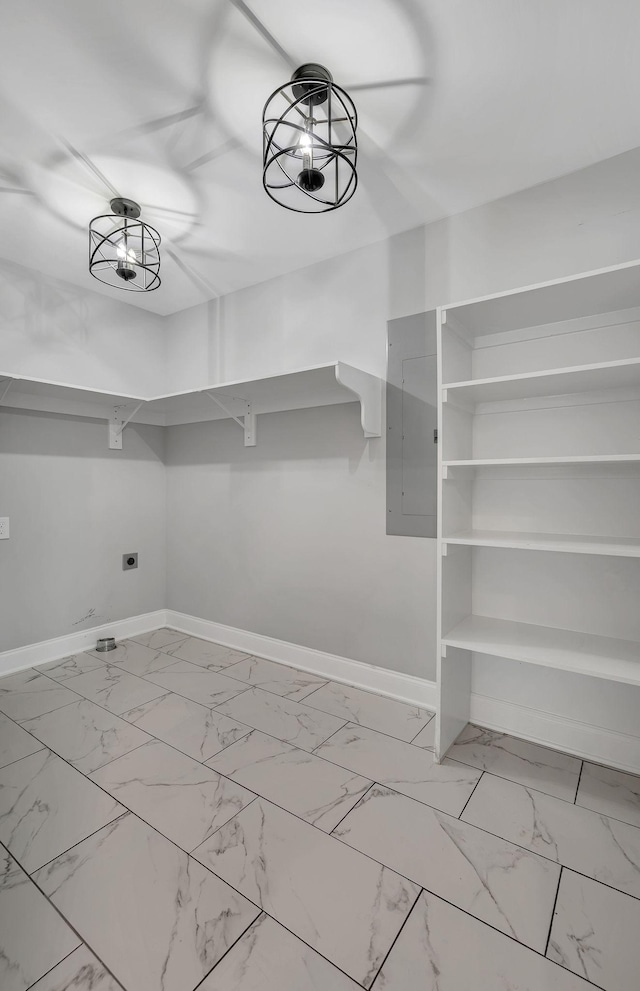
[539, 484]
[243, 401]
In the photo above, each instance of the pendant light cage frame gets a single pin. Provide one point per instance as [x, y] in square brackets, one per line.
[313, 108]
[124, 252]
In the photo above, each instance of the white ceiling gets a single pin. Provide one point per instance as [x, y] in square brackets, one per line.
[166, 100]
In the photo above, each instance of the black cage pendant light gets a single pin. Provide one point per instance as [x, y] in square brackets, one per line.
[124, 252]
[310, 145]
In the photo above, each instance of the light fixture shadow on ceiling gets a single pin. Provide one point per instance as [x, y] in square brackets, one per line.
[402, 64]
[402, 82]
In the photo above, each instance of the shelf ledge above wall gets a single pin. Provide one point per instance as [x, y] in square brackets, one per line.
[321, 385]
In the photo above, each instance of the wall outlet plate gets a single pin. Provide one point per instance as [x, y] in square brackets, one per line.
[4, 527]
[129, 561]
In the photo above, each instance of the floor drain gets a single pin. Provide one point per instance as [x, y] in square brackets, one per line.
[106, 643]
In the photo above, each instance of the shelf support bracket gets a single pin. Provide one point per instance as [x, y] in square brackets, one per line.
[368, 390]
[117, 425]
[249, 422]
[7, 385]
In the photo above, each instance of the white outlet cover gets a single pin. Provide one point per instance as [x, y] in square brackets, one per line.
[4, 527]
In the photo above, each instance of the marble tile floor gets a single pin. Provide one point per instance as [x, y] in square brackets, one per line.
[177, 815]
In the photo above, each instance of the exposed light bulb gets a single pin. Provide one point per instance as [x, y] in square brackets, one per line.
[309, 178]
[127, 260]
[306, 147]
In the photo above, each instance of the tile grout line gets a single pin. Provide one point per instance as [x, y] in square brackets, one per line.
[137, 814]
[494, 774]
[337, 839]
[188, 854]
[546, 794]
[413, 739]
[298, 817]
[397, 936]
[83, 941]
[575, 797]
[248, 685]
[467, 802]
[342, 767]
[230, 948]
[553, 912]
[210, 709]
[51, 969]
[352, 809]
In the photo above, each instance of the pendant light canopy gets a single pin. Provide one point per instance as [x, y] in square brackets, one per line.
[310, 146]
[124, 252]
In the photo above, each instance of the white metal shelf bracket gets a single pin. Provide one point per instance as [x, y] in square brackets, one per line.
[117, 425]
[249, 422]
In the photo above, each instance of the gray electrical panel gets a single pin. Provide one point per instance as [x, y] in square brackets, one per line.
[412, 422]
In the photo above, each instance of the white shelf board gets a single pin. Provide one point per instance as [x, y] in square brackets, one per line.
[603, 291]
[556, 382]
[565, 650]
[321, 385]
[571, 543]
[586, 459]
[48, 396]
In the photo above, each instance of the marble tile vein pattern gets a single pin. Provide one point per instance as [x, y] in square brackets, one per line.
[312, 788]
[403, 767]
[595, 933]
[156, 918]
[589, 843]
[71, 666]
[196, 730]
[374, 711]
[158, 639]
[15, 742]
[443, 949]
[276, 678]
[180, 797]
[339, 902]
[209, 655]
[283, 718]
[33, 936]
[80, 971]
[479, 873]
[86, 735]
[337, 907]
[269, 958]
[527, 763]
[611, 792]
[195, 683]
[113, 689]
[28, 694]
[46, 807]
[135, 658]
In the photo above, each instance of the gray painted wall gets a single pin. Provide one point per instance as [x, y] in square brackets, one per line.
[288, 539]
[75, 508]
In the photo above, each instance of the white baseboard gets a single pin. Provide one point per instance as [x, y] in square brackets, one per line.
[404, 687]
[596, 743]
[604, 746]
[52, 650]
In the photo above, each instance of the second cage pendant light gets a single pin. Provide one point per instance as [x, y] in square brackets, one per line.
[124, 252]
[309, 143]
